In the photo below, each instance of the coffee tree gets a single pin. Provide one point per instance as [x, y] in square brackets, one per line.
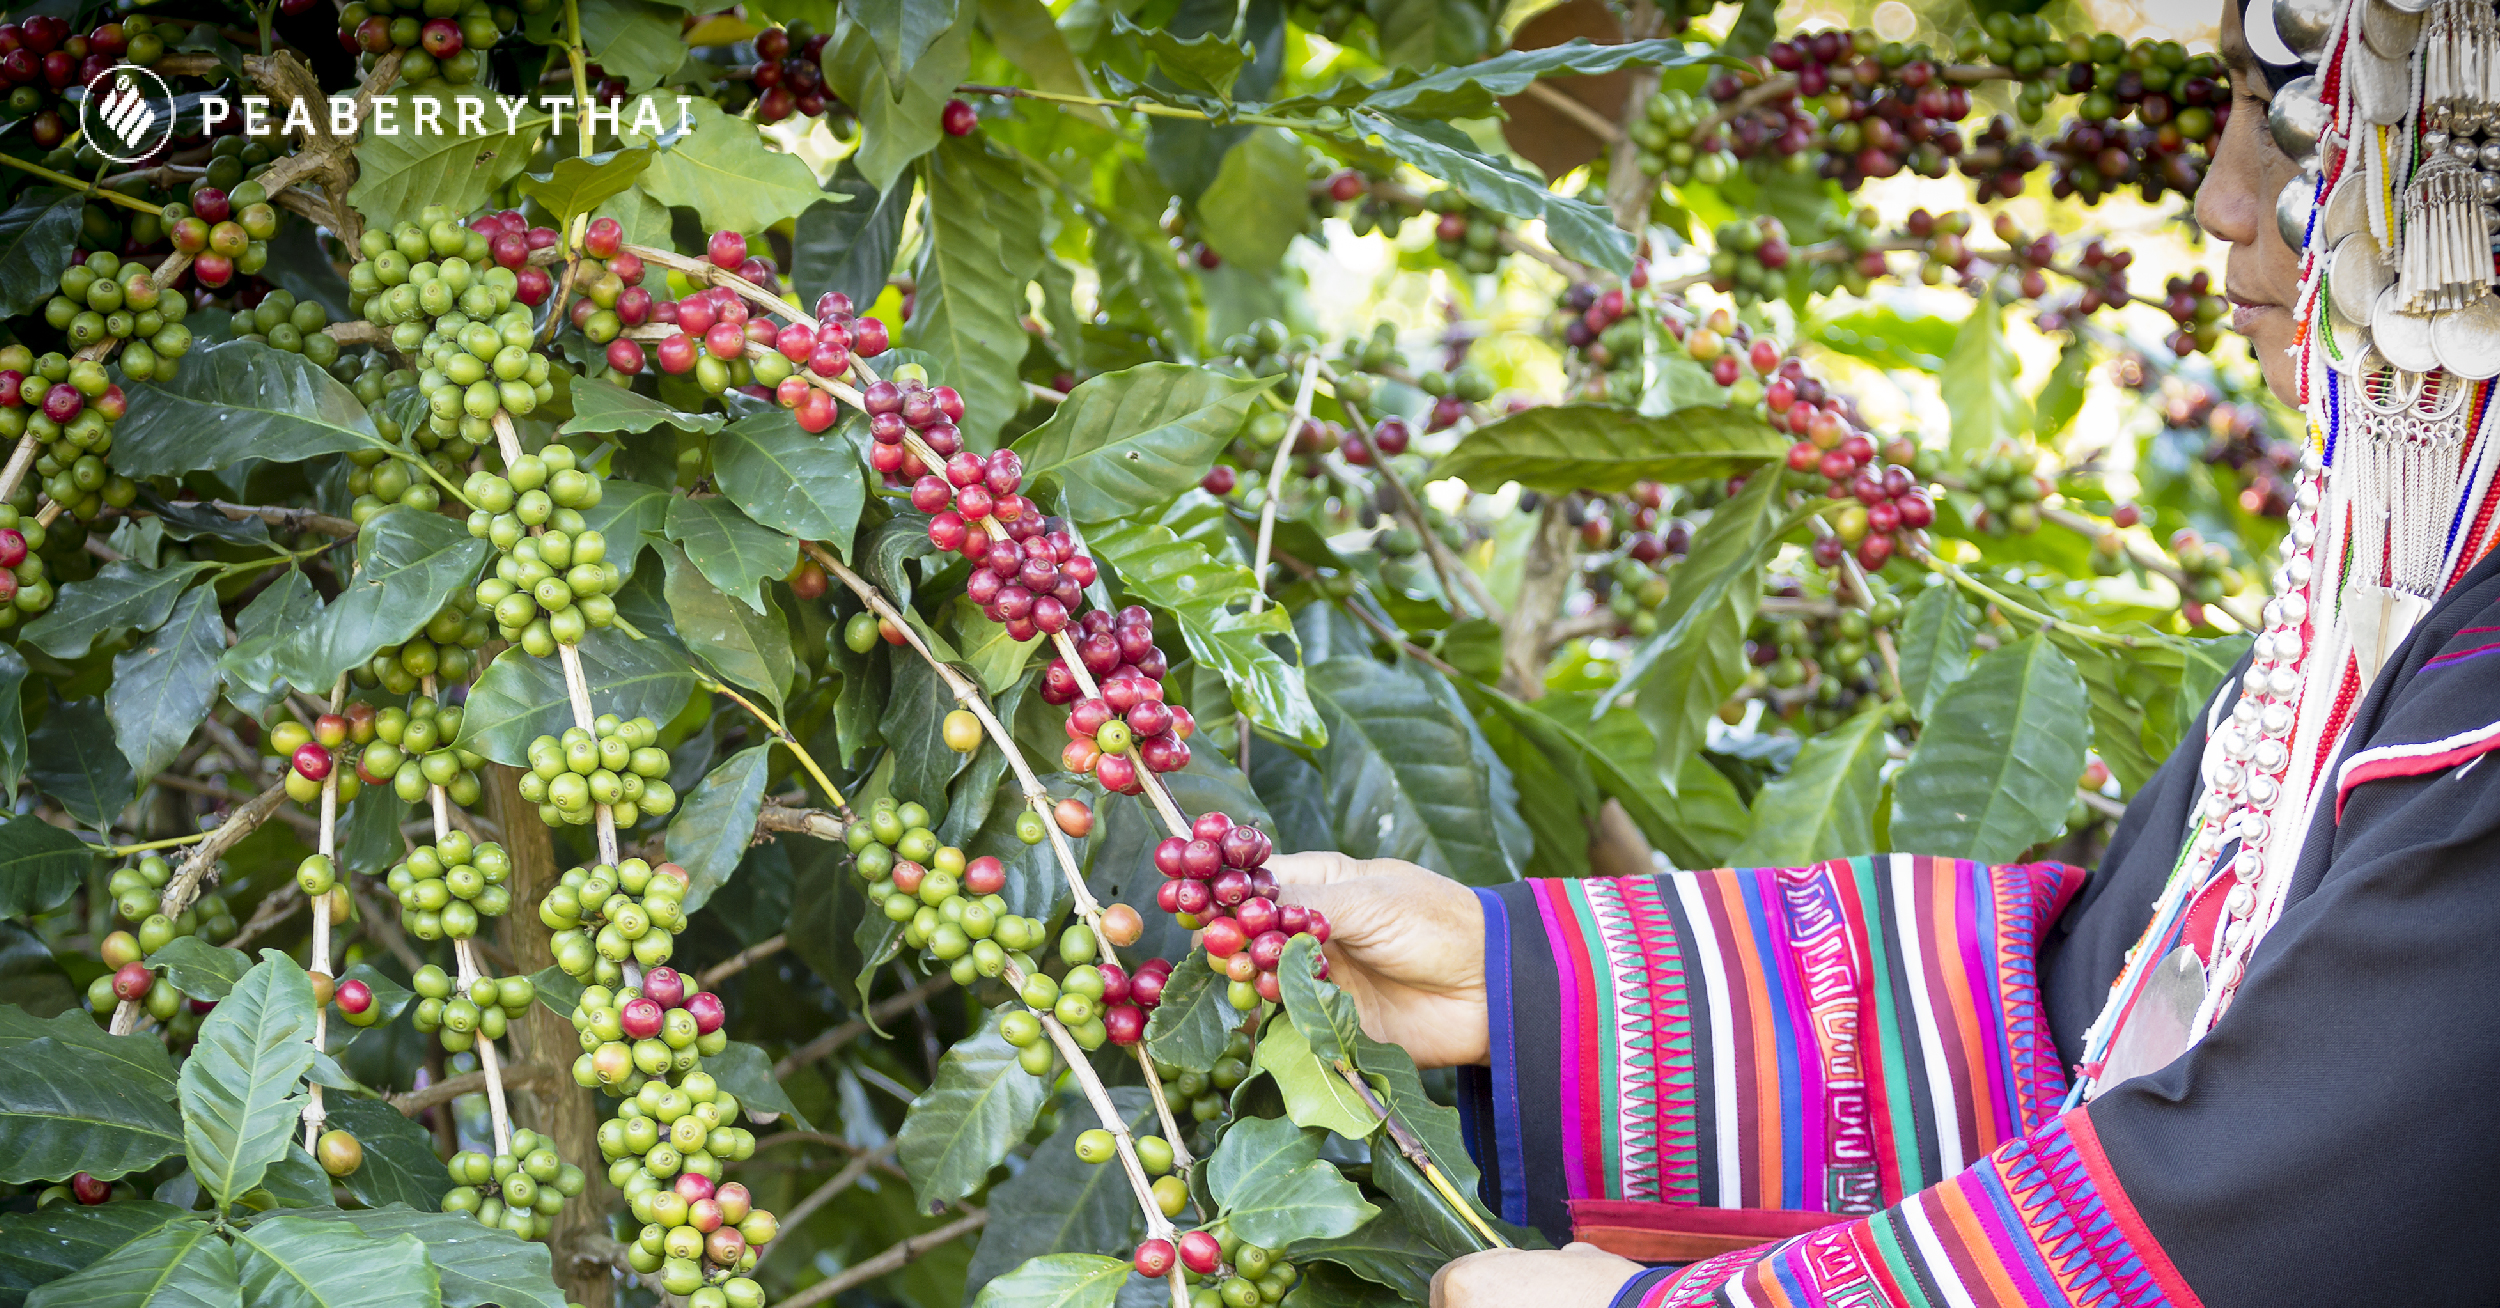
[705, 650]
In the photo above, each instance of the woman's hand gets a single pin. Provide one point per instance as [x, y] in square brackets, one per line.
[1407, 944]
[1574, 1276]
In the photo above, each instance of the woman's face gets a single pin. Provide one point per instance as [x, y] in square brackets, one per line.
[2236, 203]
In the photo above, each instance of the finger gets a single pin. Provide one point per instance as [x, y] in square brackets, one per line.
[1316, 868]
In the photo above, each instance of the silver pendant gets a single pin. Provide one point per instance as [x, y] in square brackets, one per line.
[2357, 274]
[2346, 342]
[2156, 1029]
[2347, 212]
[2389, 32]
[2409, 6]
[2292, 207]
[2306, 25]
[2298, 116]
[2405, 338]
[2468, 340]
[2382, 87]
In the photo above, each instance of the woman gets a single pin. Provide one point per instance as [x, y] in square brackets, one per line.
[2245, 1061]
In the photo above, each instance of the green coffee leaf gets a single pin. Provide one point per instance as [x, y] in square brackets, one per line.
[1824, 805]
[730, 549]
[983, 247]
[235, 401]
[1273, 1189]
[37, 235]
[1995, 768]
[65, 1109]
[181, 1263]
[1179, 577]
[400, 1164]
[1068, 1280]
[200, 969]
[790, 480]
[241, 1086]
[722, 168]
[1978, 381]
[40, 866]
[1060, 1203]
[307, 1262]
[72, 758]
[1124, 440]
[579, 185]
[714, 825]
[408, 565]
[600, 406]
[47, 1244]
[164, 686]
[1315, 1096]
[119, 597]
[738, 643]
[401, 167]
[1404, 779]
[479, 1265]
[978, 1108]
[1558, 449]
[521, 698]
[138, 1059]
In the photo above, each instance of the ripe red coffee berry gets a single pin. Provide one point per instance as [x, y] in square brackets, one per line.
[641, 1018]
[625, 356]
[1154, 1257]
[1200, 1253]
[1258, 915]
[88, 1190]
[958, 118]
[1125, 1024]
[354, 997]
[1223, 938]
[707, 1010]
[133, 981]
[312, 760]
[985, 876]
[727, 250]
[604, 238]
[868, 338]
[694, 1187]
[1210, 826]
[1168, 856]
[665, 986]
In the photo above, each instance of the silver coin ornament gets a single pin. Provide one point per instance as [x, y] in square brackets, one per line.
[2387, 31]
[2305, 25]
[2292, 208]
[2356, 276]
[2468, 340]
[2298, 116]
[2405, 338]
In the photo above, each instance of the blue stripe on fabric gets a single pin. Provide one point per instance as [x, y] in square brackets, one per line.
[2045, 1284]
[1511, 1153]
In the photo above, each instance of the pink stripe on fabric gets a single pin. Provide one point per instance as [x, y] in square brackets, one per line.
[1554, 909]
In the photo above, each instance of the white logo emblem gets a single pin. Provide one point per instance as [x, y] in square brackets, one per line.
[121, 114]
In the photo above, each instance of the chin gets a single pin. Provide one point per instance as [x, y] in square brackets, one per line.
[2270, 338]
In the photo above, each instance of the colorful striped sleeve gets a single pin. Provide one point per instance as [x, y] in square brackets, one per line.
[1819, 1041]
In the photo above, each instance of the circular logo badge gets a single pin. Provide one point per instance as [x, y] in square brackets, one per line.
[128, 113]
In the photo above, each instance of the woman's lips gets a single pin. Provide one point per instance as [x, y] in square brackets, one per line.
[2246, 316]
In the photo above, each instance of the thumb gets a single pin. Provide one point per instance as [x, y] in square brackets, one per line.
[1313, 869]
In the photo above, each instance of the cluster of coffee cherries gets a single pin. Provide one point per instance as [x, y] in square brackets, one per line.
[1216, 883]
[69, 406]
[662, 1026]
[699, 1236]
[1891, 502]
[137, 890]
[1465, 235]
[2007, 484]
[1227, 1272]
[104, 301]
[2192, 304]
[433, 266]
[604, 916]
[2098, 157]
[2208, 568]
[1031, 578]
[1821, 663]
[132, 980]
[445, 888]
[1204, 1094]
[1098, 1002]
[1665, 133]
[613, 761]
[313, 752]
[1154, 1153]
[461, 1018]
[789, 76]
[280, 321]
[411, 749]
[25, 587]
[550, 588]
[1129, 726]
[949, 905]
[438, 41]
[609, 281]
[226, 233]
[521, 1191]
[41, 57]
[445, 649]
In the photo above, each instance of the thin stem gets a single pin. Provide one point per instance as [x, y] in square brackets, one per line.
[1454, 574]
[185, 886]
[899, 1256]
[741, 961]
[316, 1116]
[121, 851]
[782, 734]
[2046, 621]
[1409, 1145]
[1275, 494]
[1148, 107]
[88, 189]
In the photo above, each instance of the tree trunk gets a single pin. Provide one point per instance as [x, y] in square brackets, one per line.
[1544, 581]
[559, 1108]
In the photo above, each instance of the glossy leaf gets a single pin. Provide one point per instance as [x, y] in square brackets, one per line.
[235, 401]
[635, 40]
[847, 241]
[240, 1087]
[119, 597]
[47, 1244]
[1404, 780]
[722, 168]
[307, 1262]
[1315, 1096]
[64, 1109]
[1204, 64]
[713, 826]
[903, 30]
[200, 969]
[1683, 673]
[738, 643]
[182, 1263]
[1577, 228]
[37, 234]
[1059, 1203]
[913, 725]
[981, 250]
[746, 1071]
[1824, 805]
[402, 166]
[1472, 89]
[137, 1059]
[809, 486]
[895, 128]
[72, 758]
[600, 406]
[1995, 768]
[1068, 1280]
[1387, 1250]
[250, 667]
[630, 517]
[1978, 382]
[521, 698]
[400, 1164]
[408, 565]
[40, 866]
[12, 719]
[995, 659]
[1127, 439]
[1189, 1028]
[1557, 449]
[479, 1265]
[1935, 648]
[164, 686]
[1272, 1188]
[730, 548]
[1179, 577]
[1886, 337]
[979, 1106]
[579, 185]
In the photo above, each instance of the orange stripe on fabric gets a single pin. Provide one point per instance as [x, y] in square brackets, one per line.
[1974, 1244]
